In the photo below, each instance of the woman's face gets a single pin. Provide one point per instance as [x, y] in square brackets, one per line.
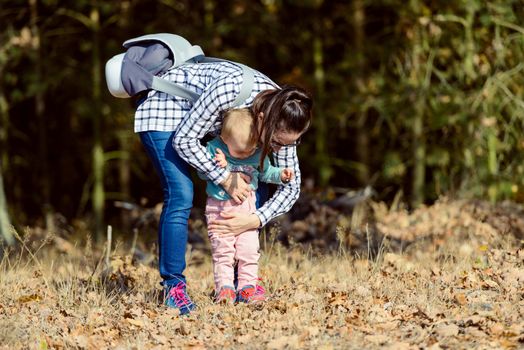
[283, 139]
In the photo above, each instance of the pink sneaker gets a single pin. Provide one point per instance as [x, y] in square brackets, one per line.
[260, 291]
[226, 295]
[251, 294]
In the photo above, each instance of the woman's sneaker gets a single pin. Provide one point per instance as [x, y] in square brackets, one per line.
[176, 297]
[251, 294]
[226, 295]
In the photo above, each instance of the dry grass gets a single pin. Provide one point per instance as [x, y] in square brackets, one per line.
[455, 294]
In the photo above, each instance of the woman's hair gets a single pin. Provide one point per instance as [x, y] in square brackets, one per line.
[286, 109]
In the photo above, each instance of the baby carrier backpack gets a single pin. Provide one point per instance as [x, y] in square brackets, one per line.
[149, 56]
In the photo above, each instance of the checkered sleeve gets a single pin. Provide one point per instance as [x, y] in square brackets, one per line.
[287, 194]
[216, 98]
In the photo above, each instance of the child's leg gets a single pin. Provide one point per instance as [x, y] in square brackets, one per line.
[247, 250]
[223, 253]
[262, 195]
[222, 248]
[247, 246]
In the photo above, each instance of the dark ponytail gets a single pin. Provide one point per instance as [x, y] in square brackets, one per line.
[287, 109]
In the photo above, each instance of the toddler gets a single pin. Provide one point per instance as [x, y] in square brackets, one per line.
[236, 149]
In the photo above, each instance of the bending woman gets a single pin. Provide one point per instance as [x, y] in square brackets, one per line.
[171, 128]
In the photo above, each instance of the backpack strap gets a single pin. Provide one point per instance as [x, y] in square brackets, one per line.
[248, 80]
[173, 89]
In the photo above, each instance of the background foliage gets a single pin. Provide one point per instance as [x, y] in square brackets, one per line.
[416, 98]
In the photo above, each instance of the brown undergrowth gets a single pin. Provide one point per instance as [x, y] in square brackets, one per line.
[458, 283]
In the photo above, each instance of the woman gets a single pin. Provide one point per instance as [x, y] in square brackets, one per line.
[171, 128]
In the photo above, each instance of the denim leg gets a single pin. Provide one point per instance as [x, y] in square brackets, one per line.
[178, 200]
[262, 194]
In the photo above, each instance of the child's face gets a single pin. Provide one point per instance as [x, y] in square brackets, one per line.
[238, 148]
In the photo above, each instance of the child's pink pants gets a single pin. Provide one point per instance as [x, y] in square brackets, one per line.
[226, 250]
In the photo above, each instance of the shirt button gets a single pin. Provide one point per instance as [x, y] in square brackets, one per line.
[221, 193]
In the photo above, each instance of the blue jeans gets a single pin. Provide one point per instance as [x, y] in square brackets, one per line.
[177, 187]
[178, 199]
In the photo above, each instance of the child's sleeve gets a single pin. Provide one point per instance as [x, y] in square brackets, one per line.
[271, 174]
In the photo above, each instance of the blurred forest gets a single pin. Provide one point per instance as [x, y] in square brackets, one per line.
[417, 99]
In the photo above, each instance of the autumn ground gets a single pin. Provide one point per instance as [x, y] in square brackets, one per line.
[442, 277]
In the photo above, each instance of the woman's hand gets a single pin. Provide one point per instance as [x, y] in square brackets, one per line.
[238, 186]
[233, 224]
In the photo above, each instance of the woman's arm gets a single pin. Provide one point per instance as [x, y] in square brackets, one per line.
[202, 117]
[233, 224]
[286, 195]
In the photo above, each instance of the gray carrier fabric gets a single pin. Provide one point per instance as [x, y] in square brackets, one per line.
[152, 55]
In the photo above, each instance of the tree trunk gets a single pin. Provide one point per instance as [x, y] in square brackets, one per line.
[362, 137]
[5, 223]
[419, 154]
[4, 126]
[98, 195]
[43, 173]
[421, 81]
[324, 169]
[124, 171]
[209, 7]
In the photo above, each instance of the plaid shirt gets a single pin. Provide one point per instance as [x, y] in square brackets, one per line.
[218, 85]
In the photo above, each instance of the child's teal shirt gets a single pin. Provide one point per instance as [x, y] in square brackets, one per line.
[248, 166]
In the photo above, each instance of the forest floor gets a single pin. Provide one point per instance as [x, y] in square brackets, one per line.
[458, 284]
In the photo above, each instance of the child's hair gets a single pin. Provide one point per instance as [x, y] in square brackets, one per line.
[239, 123]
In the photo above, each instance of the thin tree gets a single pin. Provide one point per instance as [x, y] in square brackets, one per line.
[324, 167]
[92, 22]
[362, 137]
[5, 223]
[36, 55]
[98, 196]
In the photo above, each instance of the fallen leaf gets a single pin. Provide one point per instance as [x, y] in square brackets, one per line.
[283, 342]
[378, 339]
[399, 345]
[244, 339]
[474, 332]
[363, 291]
[326, 347]
[134, 322]
[474, 320]
[388, 326]
[497, 329]
[81, 341]
[447, 330]
[29, 298]
[460, 298]
[160, 338]
[491, 284]
[435, 346]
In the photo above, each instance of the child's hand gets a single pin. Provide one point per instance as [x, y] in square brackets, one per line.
[220, 158]
[287, 175]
